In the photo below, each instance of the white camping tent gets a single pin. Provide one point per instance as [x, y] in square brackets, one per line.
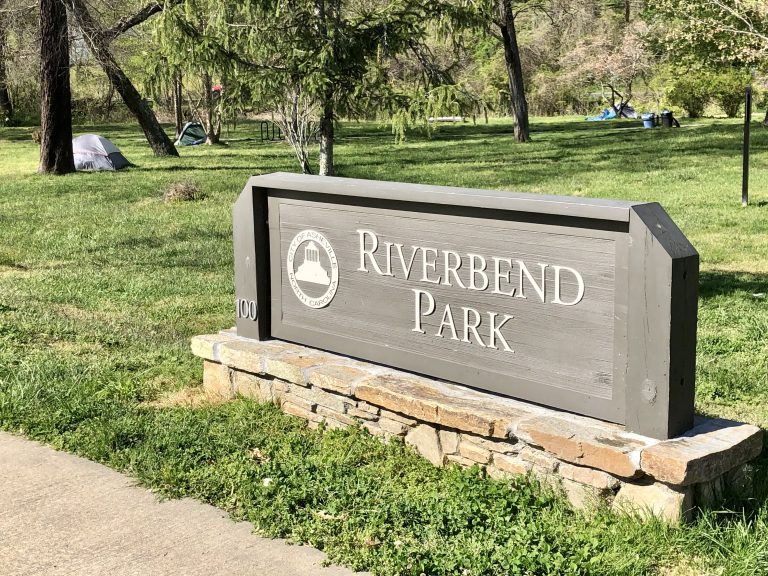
[94, 152]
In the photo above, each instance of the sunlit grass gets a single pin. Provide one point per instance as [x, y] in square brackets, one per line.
[102, 285]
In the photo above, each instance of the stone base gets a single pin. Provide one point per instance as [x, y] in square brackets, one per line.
[447, 423]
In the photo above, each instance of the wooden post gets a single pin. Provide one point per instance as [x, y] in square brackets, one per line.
[745, 167]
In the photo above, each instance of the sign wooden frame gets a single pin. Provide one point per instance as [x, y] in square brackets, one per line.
[654, 278]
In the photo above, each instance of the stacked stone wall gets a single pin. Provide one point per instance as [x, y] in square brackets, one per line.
[450, 424]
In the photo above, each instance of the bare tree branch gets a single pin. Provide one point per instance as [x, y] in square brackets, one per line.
[99, 46]
[128, 22]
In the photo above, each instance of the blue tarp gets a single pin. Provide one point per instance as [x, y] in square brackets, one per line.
[607, 114]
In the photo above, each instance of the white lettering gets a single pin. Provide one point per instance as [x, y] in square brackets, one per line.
[447, 321]
[474, 270]
[417, 309]
[428, 264]
[363, 252]
[524, 271]
[472, 327]
[495, 331]
[406, 270]
[497, 275]
[452, 268]
[579, 281]
[388, 271]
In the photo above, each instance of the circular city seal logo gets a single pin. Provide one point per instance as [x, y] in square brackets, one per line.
[313, 270]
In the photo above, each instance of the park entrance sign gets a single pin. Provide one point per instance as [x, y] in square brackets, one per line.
[584, 305]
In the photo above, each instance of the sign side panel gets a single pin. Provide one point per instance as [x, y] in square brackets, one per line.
[251, 259]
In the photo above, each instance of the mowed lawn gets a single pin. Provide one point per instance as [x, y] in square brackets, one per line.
[102, 285]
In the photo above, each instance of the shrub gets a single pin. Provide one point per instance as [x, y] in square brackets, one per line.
[692, 93]
[729, 91]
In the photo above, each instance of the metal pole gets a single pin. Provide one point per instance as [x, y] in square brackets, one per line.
[745, 168]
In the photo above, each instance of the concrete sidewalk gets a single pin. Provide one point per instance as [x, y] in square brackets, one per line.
[60, 514]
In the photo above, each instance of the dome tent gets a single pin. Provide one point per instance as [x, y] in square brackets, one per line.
[93, 152]
[192, 134]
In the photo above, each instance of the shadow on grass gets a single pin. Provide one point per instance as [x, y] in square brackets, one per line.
[712, 284]
[747, 497]
[562, 150]
[16, 134]
[187, 168]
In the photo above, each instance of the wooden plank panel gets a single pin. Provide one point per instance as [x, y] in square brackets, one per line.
[553, 348]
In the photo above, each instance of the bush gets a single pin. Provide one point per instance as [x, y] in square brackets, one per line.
[698, 88]
[550, 95]
[692, 93]
[729, 91]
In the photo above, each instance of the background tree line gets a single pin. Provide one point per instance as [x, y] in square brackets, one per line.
[309, 63]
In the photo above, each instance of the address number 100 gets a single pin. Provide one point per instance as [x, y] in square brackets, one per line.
[246, 309]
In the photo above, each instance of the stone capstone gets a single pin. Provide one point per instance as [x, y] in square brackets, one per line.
[207, 347]
[435, 402]
[706, 452]
[290, 366]
[243, 355]
[605, 447]
[334, 377]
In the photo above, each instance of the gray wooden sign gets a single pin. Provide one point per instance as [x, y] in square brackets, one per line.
[579, 304]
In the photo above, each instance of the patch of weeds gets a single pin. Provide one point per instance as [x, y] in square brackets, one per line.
[183, 192]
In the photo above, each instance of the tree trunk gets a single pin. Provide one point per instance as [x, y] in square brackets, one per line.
[6, 106]
[211, 132]
[108, 102]
[296, 133]
[765, 120]
[517, 99]
[326, 116]
[177, 104]
[55, 96]
[156, 136]
[326, 138]
[627, 14]
[304, 163]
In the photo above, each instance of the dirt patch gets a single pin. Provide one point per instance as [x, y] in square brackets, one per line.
[687, 567]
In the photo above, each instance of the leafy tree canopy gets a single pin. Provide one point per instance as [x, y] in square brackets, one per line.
[715, 31]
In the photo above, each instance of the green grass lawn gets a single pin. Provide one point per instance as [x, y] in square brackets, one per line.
[102, 285]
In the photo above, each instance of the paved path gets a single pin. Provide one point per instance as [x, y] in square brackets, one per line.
[64, 515]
